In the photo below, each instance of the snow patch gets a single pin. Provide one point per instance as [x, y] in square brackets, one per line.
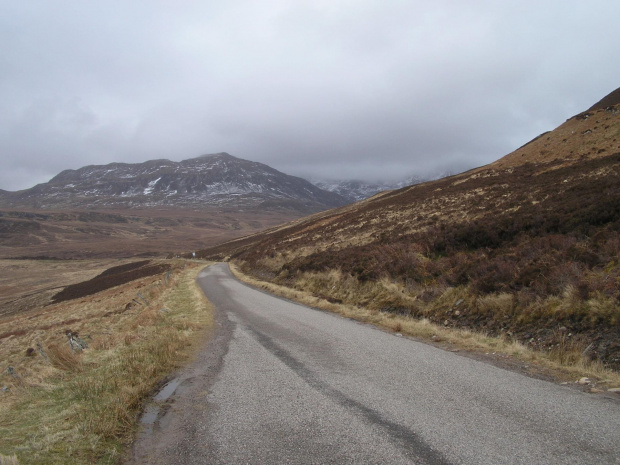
[151, 186]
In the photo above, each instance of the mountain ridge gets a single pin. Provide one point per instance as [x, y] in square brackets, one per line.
[215, 180]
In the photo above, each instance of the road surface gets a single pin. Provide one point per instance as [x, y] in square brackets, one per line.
[280, 383]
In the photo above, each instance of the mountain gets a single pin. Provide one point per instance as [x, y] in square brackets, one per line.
[526, 246]
[352, 190]
[355, 190]
[218, 180]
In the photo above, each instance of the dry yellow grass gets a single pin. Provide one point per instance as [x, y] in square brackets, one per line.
[81, 407]
[591, 137]
[565, 363]
[8, 460]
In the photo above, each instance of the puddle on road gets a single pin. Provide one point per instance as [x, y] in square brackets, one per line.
[149, 417]
[167, 390]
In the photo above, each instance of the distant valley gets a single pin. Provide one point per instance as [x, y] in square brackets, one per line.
[161, 207]
[155, 208]
[155, 232]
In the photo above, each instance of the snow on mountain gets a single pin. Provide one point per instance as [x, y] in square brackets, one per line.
[355, 191]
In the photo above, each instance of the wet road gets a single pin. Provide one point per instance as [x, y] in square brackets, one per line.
[280, 383]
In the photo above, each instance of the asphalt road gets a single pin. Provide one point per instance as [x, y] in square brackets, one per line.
[280, 383]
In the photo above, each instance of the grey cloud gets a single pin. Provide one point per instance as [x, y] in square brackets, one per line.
[337, 89]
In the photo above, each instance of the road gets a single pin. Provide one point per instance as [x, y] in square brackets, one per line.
[280, 383]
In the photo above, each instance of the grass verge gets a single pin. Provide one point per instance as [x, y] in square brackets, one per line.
[66, 407]
[564, 364]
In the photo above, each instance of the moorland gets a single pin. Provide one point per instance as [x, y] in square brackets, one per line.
[103, 233]
[519, 257]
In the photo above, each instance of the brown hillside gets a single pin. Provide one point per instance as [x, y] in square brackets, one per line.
[528, 245]
[592, 134]
[609, 100]
[125, 233]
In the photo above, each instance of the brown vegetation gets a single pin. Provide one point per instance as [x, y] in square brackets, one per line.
[110, 278]
[564, 363]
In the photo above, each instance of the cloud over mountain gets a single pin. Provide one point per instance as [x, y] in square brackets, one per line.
[350, 90]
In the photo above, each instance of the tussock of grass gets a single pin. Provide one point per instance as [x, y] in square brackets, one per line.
[63, 358]
[566, 360]
[8, 460]
[81, 407]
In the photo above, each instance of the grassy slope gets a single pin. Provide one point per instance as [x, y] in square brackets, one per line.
[75, 408]
[565, 363]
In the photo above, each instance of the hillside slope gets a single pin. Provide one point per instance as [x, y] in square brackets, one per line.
[527, 246]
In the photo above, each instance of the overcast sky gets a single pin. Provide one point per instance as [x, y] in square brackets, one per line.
[317, 88]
